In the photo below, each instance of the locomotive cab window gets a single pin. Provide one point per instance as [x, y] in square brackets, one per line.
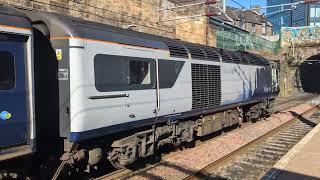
[140, 72]
[118, 73]
[109, 74]
[7, 73]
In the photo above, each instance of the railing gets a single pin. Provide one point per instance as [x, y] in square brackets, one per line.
[245, 41]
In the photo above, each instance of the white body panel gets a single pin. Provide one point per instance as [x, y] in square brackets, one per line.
[178, 98]
[238, 84]
[88, 114]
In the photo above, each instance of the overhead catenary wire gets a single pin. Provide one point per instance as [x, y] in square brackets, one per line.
[239, 4]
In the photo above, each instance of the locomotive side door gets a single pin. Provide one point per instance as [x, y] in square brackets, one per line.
[13, 90]
[141, 82]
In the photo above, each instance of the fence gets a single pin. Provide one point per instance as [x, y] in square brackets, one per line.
[242, 41]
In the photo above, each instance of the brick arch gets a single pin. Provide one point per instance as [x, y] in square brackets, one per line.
[314, 57]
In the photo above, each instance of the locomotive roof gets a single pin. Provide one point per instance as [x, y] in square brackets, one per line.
[61, 26]
[12, 17]
[65, 26]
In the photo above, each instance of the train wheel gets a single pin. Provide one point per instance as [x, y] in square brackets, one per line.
[114, 158]
[115, 163]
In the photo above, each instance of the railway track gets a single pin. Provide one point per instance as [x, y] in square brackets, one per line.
[283, 105]
[258, 157]
[115, 175]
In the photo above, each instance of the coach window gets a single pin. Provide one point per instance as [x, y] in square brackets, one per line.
[109, 73]
[141, 73]
[7, 73]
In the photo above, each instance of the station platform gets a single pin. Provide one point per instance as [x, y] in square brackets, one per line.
[301, 162]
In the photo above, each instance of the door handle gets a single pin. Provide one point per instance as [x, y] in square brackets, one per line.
[132, 116]
[109, 96]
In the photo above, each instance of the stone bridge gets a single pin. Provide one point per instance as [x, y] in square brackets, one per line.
[303, 41]
[299, 44]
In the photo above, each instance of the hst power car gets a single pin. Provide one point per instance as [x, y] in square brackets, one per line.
[90, 93]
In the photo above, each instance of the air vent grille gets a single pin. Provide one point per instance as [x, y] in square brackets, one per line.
[206, 86]
[177, 50]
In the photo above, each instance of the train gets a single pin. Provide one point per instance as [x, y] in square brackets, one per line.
[77, 93]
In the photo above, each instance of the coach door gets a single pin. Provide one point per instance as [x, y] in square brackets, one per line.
[141, 81]
[13, 93]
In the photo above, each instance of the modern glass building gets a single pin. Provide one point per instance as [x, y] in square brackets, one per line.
[292, 16]
[277, 16]
[314, 15]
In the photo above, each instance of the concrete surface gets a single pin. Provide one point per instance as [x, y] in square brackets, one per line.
[302, 161]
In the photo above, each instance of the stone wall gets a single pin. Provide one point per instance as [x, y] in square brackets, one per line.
[298, 44]
[290, 59]
[144, 15]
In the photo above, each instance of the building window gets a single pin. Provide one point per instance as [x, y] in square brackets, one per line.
[7, 73]
[314, 14]
[264, 31]
[243, 25]
[254, 28]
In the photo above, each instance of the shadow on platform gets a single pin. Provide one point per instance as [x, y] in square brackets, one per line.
[302, 119]
[287, 175]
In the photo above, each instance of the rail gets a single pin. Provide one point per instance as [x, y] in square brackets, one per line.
[206, 171]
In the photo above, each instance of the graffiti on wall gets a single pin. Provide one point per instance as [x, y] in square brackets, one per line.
[300, 36]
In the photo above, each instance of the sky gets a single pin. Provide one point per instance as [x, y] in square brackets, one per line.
[246, 3]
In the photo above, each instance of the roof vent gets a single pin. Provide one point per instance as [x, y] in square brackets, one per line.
[244, 58]
[196, 51]
[212, 54]
[226, 57]
[235, 58]
[177, 49]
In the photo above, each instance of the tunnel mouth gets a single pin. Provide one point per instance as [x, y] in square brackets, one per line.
[309, 72]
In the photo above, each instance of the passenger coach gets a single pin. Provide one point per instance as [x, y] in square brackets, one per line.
[17, 123]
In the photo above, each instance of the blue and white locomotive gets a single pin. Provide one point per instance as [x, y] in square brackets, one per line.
[89, 90]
